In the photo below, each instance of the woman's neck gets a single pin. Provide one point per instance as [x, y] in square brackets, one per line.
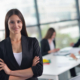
[15, 37]
[50, 39]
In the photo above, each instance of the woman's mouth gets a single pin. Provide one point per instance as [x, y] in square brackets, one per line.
[16, 29]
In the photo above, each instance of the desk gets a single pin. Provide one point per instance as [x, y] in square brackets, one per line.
[67, 51]
[58, 65]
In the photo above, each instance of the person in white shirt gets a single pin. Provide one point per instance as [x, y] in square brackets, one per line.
[48, 44]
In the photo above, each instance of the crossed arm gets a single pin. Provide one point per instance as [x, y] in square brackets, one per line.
[19, 74]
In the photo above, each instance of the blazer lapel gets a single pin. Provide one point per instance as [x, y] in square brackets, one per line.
[54, 43]
[10, 53]
[24, 43]
[48, 44]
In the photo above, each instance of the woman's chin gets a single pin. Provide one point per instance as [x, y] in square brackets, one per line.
[16, 32]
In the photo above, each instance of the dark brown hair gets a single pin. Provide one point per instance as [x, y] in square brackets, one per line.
[19, 14]
[49, 33]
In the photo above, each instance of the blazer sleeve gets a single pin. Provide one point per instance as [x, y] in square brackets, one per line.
[3, 75]
[38, 69]
[43, 51]
[77, 44]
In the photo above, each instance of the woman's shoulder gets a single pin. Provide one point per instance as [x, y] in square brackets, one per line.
[43, 40]
[2, 43]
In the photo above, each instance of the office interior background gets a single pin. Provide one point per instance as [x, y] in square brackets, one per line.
[63, 15]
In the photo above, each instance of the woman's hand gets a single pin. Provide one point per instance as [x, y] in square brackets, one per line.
[73, 56]
[79, 52]
[71, 44]
[4, 67]
[36, 60]
[55, 50]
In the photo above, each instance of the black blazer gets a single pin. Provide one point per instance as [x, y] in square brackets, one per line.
[45, 46]
[30, 49]
[77, 44]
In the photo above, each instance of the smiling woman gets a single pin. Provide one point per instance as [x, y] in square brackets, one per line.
[19, 54]
[14, 20]
[14, 24]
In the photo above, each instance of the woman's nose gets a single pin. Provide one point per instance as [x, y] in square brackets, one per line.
[16, 24]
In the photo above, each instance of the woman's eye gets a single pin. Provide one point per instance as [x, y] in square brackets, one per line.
[18, 21]
[12, 22]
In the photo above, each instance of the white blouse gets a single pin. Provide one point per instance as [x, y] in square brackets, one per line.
[18, 57]
[51, 45]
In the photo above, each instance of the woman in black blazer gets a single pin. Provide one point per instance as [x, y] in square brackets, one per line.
[16, 41]
[48, 40]
[72, 71]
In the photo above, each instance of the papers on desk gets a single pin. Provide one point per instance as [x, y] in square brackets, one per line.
[67, 51]
[74, 50]
[60, 65]
[64, 51]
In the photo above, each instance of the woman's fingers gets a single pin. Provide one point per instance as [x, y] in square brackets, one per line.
[1, 63]
[73, 56]
[36, 58]
[37, 62]
[1, 60]
[1, 69]
[1, 66]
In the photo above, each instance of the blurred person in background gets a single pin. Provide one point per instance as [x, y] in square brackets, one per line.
[77, 44]
[48, 43]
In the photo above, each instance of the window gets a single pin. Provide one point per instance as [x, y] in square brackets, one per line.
[56, 10]
[25, 6]
[33, 32]
[66, 32]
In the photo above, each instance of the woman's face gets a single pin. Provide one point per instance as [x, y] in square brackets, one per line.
[14, 24]
[54, 35]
